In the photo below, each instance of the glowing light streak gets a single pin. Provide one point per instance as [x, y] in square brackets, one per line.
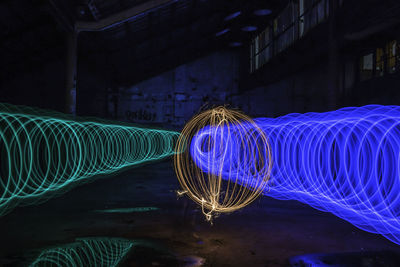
[345, 162]
[208, 188]
[44, 155]
[85, 252]
[128, 210]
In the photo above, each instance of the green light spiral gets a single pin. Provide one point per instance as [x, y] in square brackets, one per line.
[85, 252]
[46, 153]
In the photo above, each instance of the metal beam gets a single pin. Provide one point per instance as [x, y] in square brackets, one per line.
[122, 17]
[60, 17]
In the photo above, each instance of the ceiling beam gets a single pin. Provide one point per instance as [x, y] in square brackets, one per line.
[122, 17]
[61, 16]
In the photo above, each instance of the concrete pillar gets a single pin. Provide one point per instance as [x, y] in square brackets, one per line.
[71, 65]
[333, 57]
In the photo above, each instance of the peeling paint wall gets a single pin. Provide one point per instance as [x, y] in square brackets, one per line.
[175, 96]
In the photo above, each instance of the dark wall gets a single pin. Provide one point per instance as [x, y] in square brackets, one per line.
[42, 86]
[93, 83]
[170, 98]
[308, 90]
[382, 90]
[301, 92]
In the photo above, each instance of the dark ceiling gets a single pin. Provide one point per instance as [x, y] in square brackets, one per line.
[33, 32]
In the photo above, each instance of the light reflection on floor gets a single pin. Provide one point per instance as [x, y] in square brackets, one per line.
[267, 233]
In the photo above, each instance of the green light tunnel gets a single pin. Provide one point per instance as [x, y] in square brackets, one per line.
[85, 252]
[45, 153]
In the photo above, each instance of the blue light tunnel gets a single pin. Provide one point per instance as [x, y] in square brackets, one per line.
[345, 162]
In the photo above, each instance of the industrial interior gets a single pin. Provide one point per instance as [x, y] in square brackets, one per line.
[200, 133]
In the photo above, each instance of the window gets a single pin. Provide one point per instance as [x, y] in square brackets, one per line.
[297, 18]
[384, 60]
[391, 53]
[260, 50]
[321, 7]
[366, 66]
[311, 13]
[380, 62]
[284, 32]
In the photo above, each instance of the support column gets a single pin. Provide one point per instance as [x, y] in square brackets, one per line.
[333, 57]
[71, 65]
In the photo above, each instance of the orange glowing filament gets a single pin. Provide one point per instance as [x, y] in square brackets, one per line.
[220, 137]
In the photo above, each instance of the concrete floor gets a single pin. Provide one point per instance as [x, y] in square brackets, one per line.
[266, 233]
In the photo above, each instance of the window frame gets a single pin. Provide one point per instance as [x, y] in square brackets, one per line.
[282, 38]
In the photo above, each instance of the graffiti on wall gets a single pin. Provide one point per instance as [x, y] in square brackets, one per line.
[140, 115]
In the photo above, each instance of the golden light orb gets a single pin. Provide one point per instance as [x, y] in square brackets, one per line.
[223, 160]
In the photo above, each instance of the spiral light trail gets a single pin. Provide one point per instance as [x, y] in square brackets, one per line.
[90, 252]
[215, 134]
[42, 155]
[345, 162]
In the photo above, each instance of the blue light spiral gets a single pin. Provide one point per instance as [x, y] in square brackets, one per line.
[345, 162]
[241, 151]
